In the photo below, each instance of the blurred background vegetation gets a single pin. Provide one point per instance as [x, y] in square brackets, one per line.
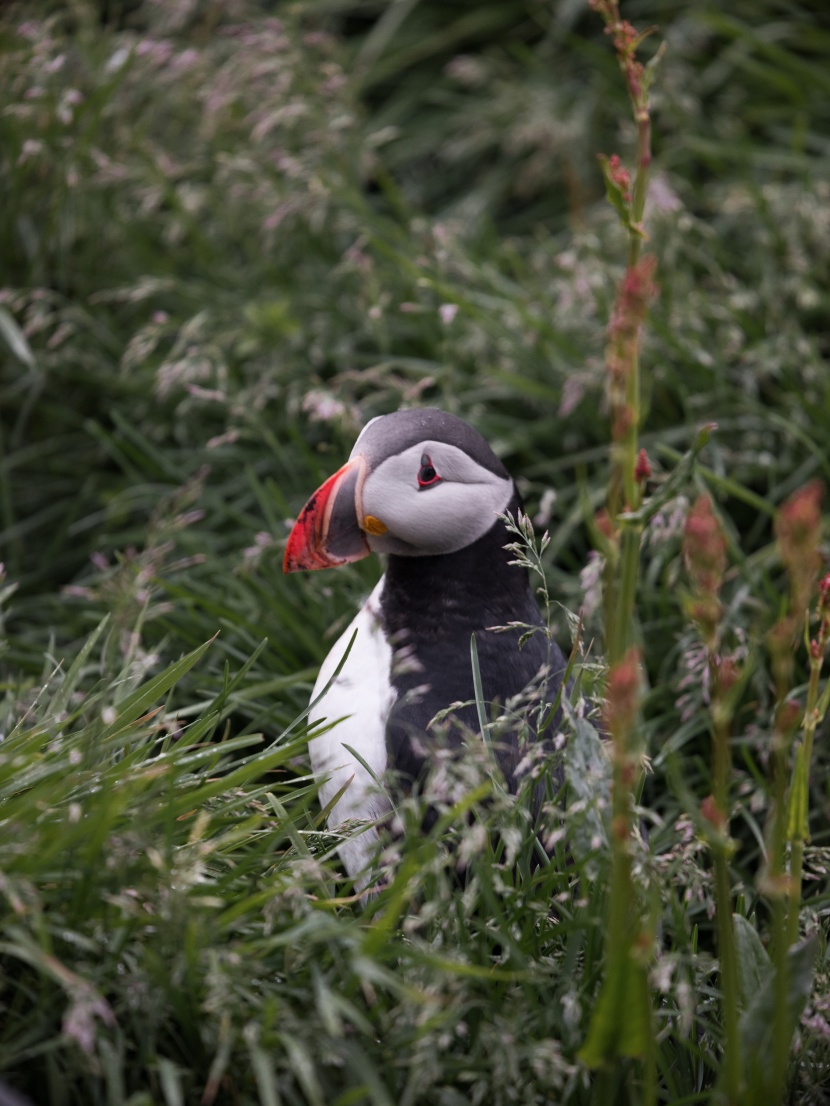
[232, 232]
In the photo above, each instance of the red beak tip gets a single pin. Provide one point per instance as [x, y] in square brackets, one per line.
[310, 544]
[297, 551]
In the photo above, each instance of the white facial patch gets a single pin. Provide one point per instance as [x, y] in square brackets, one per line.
[441, 518]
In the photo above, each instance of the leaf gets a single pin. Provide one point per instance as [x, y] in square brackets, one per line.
[486, 730]
[651, 66]
[322, 693]
[798, 827]
[170, 1080]
[677, 479]
[758, 1021]
[220, 1062]
[15, 339]
[303, 1068]
[621, 1021]
[146, 696]
[263, 1066]
[249, 769]
[723, 484]
[619, 198]
[478, 687]
[70, 680]
[753, 962]
[588, 775]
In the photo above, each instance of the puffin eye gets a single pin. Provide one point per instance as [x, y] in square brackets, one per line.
[427, 476]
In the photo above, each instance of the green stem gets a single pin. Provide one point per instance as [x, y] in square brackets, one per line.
[626, 593]
[623, 556]
[776, 882]
[624, 451]
[721, 848]
[610, 593]
[782, 1031]
[799, 793]
[638, 196]
[727, 959]
[796, 875]
[650, 1080]
[629, 444]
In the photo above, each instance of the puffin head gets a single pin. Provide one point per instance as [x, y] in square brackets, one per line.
[418, 483]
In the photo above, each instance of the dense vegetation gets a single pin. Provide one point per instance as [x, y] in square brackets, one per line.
[232, 232]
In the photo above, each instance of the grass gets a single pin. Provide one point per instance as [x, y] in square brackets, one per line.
[227, 242]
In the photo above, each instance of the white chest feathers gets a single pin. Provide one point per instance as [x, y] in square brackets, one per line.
[354, 709]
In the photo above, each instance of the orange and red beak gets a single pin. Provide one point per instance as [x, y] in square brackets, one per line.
[328, 531]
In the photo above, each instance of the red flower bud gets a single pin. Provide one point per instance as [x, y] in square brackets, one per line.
[824, 596]
[620, 176]
[642, 470]
[704, 547]
[635, 293]
[797, 529]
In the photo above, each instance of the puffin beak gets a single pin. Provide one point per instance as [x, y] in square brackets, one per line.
[328, 530]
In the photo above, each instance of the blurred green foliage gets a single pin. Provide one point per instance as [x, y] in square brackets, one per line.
[231, 233]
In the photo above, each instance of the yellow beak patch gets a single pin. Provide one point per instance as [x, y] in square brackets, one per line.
[374, 526]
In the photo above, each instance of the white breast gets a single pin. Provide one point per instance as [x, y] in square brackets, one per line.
[355, 707]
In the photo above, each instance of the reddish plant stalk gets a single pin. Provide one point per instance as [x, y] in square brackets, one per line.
[797, 532]
[704, 553]
[798, 829]
[620, 537]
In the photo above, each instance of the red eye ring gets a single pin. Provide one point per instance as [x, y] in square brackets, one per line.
[427, 476]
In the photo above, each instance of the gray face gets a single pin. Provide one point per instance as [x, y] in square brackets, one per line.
[433, 484]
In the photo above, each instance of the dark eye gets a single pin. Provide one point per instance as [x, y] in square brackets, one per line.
[427, 476]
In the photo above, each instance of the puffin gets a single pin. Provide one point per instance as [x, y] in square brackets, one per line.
[424, 490]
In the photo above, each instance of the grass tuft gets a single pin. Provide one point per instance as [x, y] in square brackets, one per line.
[229, 238]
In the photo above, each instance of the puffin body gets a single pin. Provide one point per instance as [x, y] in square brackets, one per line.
[424, 488]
